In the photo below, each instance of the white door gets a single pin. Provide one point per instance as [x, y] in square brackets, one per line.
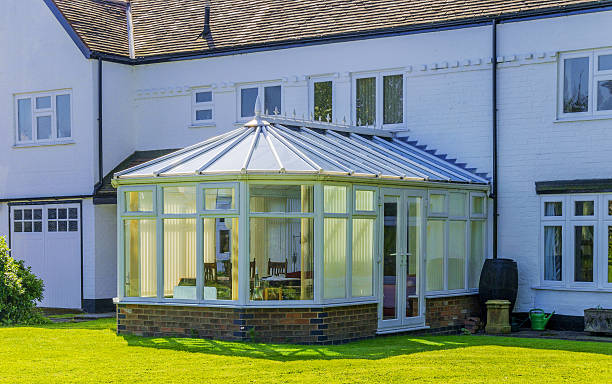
[402, 304]
[48, 239]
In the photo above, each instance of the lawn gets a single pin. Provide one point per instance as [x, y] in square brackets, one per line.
[92, 352]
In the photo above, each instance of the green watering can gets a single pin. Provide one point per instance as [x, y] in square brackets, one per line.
[539, 319]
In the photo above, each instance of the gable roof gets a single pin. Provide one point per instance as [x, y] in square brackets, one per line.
[164, 28]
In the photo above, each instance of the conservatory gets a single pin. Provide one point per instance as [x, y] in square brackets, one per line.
[296, 231]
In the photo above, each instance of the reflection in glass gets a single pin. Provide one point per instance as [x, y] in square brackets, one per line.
[477, 252]
[456, 254]
[180, 258]
[62, 106]
[272, 100]
[435, 255]
[363, 257]
[583, 253]
[576, 85]
[553, 208]
[43, 127]
[390, 249]
[323, 91]
[456, 204]
[139, 201]
[553, 253]
[437, 203]
[281, 198]
[584, 208]
[414, 254]
[219, 199]
[604, 95]
[334, 257]
[24, 119]
[140, 268]
[365, 103]
[604, 63]
[248, 96]
[179, 200]
[220, 250]
[393, 99]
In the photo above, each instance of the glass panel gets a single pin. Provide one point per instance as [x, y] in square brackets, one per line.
[604, 63]
[52, 213]
[73, 213]
[414, 253]
[585, 208]
[553, 253]
[43, 127]
[604, 95]
[180, 200]
[180, 258]
[334, 258]
[323, 91]
[393, 99]
[390, 249]
[365, 103]
[334, 199]
[73, 226]
[204, 114]
[456, 254]
[62, 106]
[610, 208]
[43, 102]
[24, 111]
[140, 258]
[62, 213]
[583, 253]
[52, 226]
[62, 226]
[18, 226]
[477, 252]
[437, 203]
[363, 257]
[610, 254]
[281, 259]
[220, 239]
[456, 204]
[272, 100]
[27, 214]
[27, 226]
[38, 226]
[553, 208]
[576, 85]
[139, 201]
[435, 255]
[478, 205]
[18, 214]
[203, 97]
[247, 101]
[219, 199]
[37, 214]
[364, 200]
[281, 198]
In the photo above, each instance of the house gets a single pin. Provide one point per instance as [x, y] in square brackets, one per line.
[96, 88]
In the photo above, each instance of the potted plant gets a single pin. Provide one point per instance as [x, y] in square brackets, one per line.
[598, 320]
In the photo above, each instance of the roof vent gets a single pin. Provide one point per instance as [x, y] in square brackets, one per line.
[206, 31]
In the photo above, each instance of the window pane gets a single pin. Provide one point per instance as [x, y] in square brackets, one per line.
[272, 100]
[610, 254]
[435, 255]
[576, 85]
[477, 252]
[62, 106]
[610, 208]
[27, 214]
[73, 226]
[281, 259]
[390, 254]
[437, 203]
[605, 63]
[585, 208]
[140, 266]
[393, 99]
[18, 214]
[38, 226]
[334, 258]
[323, 100]
[139, 201]
[220, 249]
[37, 214]
[281, 198]
[180, 258]
[583, 253]
[457, 204]
[73, 213]
[52, 213]
[18, 226]
[604, 95]
[553, 251]
[180, 200]
[62, 226]
[219, 199]
[247, 101]
[553, 208]
[62, 213]
[364, 200]
[204, 114]
[334, 199]
[43, 127]
[365, 102]
[24, 119]
[456, 254]
[52, 226]
[27, 226]
[203, 97]
[43, 102]
[363, 257]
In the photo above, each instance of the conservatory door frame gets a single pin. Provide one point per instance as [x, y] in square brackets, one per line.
[400, 321]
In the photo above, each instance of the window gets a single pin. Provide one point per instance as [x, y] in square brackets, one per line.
[203, 107]
[379, 96]
[272, 100]
[335, 235]
[586, 83]
[322, 99]
[139, 201]
[27, 220]
[43, 118]
[140, 258]
[62, 220]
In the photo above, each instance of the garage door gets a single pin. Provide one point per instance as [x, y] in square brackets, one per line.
[48, 238]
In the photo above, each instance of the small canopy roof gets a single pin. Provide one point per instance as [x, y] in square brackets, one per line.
[273, 145]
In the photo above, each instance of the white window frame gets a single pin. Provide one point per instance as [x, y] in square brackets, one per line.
[597, 77]
[602, 266]
[572, 259]
[195, 107]
[554, 199]
[482, 215]
[51, 112]
[378, 122]
[375, 202]
[437, 214]
[201, 200]
[123, 201]
[349, 243]
[577, 198]
[260, 92]
[311, 101]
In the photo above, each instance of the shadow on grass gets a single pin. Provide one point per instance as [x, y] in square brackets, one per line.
[378, 348]
[97, 324]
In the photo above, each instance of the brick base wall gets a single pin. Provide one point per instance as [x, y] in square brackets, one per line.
[447, 315]
[331, 325]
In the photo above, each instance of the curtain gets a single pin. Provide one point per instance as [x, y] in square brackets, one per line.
[363, 249]
[552, 252]
[140, 277]
[364, 200]
[435, 255]
[179, 252]
[334, 199]
[365, 103]
[393, 99]
[334, 258]
[456, 254]
[234, 257]
[306, 248]
[477, 255]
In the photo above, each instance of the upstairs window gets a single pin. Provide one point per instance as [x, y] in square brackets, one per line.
[379, 100]
[43, 118]
[586, 88]
[322, 99]
[272, 100]
[202, 107]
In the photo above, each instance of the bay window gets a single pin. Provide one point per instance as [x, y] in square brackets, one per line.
[43, 118]
[379, 100]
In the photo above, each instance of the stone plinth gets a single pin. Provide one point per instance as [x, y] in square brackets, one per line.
[498, 316]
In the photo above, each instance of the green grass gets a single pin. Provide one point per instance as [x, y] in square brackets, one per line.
[92, 352]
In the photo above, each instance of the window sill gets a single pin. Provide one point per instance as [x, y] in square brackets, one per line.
[435, 295]
[46, 144]
[571, 289]
[208, 124]
[570, 119]
[230, 304]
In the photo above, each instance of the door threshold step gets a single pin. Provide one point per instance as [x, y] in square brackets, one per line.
[401, 329]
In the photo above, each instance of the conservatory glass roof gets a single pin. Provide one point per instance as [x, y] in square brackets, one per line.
[273, 145]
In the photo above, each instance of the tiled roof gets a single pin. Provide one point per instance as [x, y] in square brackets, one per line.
[162, 27]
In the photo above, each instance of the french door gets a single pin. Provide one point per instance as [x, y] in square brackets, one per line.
[402, 304]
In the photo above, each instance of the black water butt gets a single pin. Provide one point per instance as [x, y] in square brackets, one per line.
[498, 281]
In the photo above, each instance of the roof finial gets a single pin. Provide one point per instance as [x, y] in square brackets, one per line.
[258, 106]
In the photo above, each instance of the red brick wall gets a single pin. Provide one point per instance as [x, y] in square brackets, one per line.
[448, 314]
[271, 325]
